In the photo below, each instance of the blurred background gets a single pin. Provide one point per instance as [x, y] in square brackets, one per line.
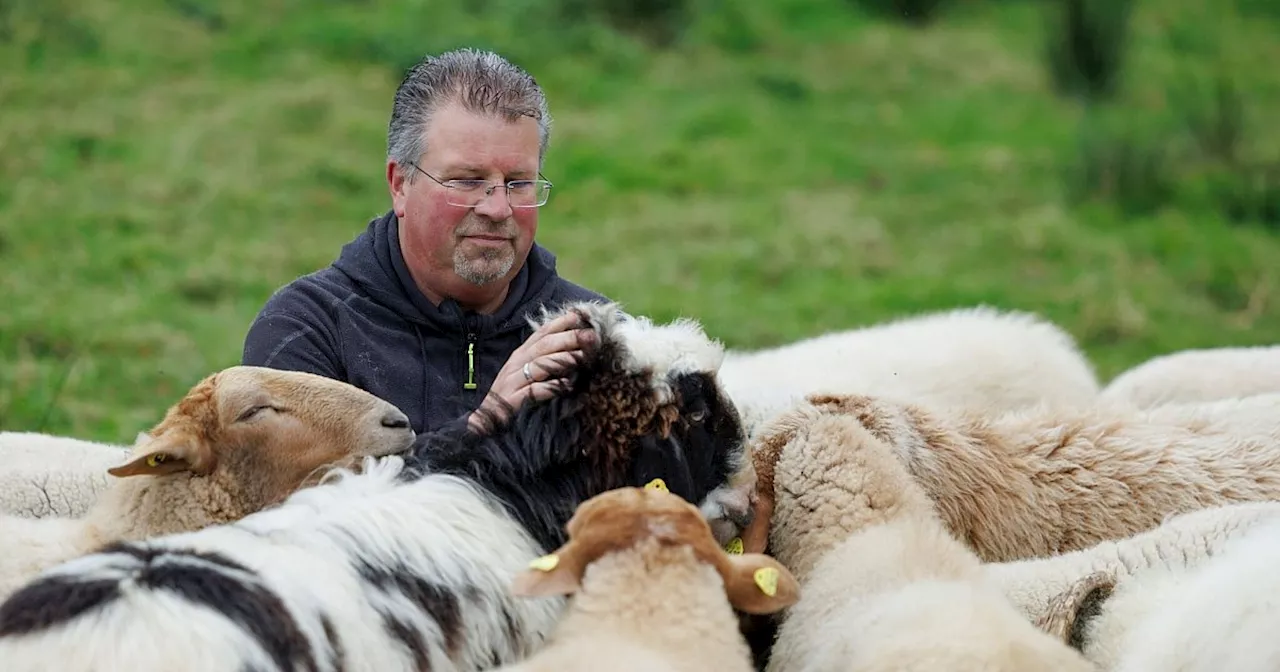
[775, 169]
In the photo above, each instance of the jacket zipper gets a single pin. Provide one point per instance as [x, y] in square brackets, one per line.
[470, 383]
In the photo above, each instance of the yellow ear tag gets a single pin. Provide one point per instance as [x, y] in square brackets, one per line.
[734, 547]
[155, 459]
[656, 484]
[546, 563]
[767, 579]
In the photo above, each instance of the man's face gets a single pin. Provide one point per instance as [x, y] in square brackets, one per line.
[444, 243]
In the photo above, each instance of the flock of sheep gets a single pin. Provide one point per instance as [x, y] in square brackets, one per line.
[953, 491]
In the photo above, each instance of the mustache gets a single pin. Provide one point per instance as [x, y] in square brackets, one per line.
[504, 230]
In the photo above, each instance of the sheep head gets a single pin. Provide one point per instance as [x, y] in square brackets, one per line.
[267, 431]
[620, 519]
[642, 402]
[653, 405]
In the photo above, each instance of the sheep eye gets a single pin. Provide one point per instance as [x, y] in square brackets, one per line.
[698, 415]
[252, 412]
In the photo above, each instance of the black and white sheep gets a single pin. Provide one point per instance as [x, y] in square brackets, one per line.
[391, 569]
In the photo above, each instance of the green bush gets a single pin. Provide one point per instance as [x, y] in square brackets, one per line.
[1123, 159]
[658, 22]
[1087, 41]
[913, 12]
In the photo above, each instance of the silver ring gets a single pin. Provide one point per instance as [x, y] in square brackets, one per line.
[527, 374]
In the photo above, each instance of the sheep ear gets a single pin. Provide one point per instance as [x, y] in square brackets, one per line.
[558, 573]
[1069, 612]
[758, 584]
[157, 457]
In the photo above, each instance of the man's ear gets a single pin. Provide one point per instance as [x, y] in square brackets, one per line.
[758, 584]
[166, 455]
[1069, 612]
[558, 573]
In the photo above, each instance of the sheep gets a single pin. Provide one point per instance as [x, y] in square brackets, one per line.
[975, 358]
[885, 585]
[1094, 598]
[1045, 481]
[1222, 615]
[650, 589]
[1196, 375]
[240, 440]
[45, 475]
[406, 565]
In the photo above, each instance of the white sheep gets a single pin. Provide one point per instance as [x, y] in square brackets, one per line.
[1045, 481]
[976, 358]
[1169, 577]
[884, 584]
[1222, 615]
[1197, 375]
[239, 441]
[399, 568]
[45, 475]
[651, 590]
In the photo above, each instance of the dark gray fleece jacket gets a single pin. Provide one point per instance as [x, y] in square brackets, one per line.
[364, 321]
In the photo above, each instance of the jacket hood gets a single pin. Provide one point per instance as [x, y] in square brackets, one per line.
[374, 262]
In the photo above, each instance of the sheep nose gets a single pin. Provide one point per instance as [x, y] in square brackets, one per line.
[395, 420]
[741, 517]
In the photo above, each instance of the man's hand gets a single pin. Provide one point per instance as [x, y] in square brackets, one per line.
[532, 370]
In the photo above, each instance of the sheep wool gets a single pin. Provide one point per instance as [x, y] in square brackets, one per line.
[977, 358]
[45, 475]
[1093, 598]
[1042, 482]
[1198, 375]
[885, 586]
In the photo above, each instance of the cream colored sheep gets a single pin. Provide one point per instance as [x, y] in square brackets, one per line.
[240, 440]
[651, 589]
[884, 585]
[1197, 375]
[1168, 576]
[976, 358]
[44, 475]
[1045, 481]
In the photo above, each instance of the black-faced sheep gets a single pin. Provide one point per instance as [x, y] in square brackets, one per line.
[651, 589]
[240, 440]
[390, 570]
[884, 584]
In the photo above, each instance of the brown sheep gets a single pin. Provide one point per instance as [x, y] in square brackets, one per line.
[239, 441]
[652, 589]
[1038, 483]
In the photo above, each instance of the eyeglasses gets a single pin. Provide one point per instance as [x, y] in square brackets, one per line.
[469, 193]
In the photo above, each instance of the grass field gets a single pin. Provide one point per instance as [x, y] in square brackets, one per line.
[782, 169]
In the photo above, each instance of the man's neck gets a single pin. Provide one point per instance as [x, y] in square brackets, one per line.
[484, 300]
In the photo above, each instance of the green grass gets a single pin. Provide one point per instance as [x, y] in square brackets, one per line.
[782, 169]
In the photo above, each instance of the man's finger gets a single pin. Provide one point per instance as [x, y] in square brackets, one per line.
[562, 323]
[546, 389]
[554, 365]
[564, 341]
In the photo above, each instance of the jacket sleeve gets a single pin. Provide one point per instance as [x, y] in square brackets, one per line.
[281, 341]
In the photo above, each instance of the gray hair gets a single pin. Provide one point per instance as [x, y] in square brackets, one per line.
[481, 81]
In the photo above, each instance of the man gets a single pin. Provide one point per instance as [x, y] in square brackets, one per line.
[427, 307]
